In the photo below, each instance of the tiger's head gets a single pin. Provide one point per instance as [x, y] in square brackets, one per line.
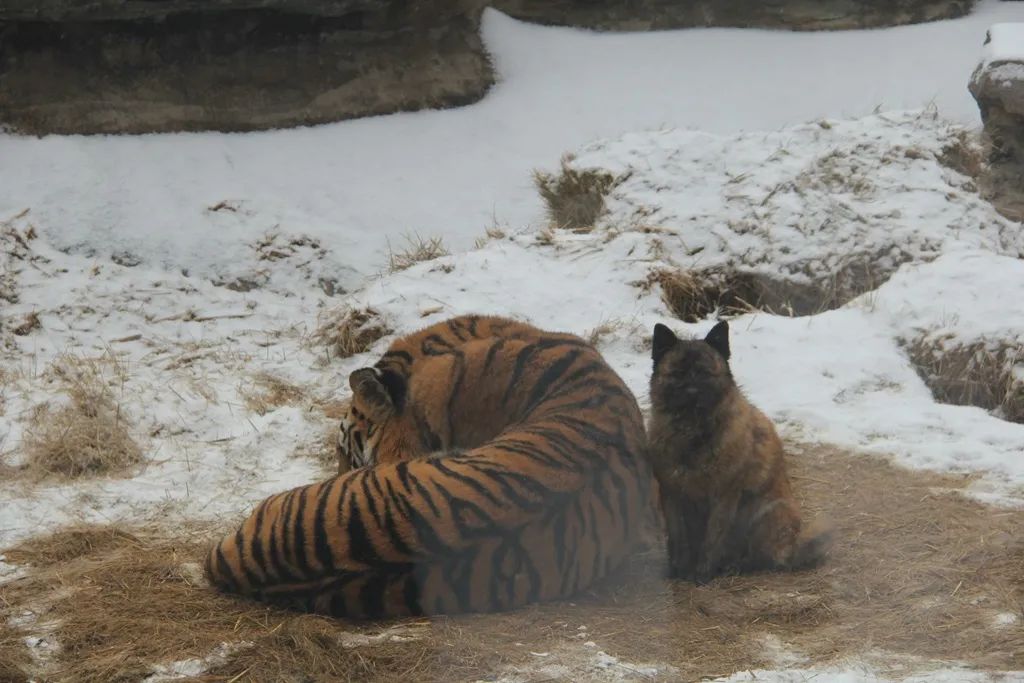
[372, 424]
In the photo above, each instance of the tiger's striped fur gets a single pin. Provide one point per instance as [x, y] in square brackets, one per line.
[505, 466]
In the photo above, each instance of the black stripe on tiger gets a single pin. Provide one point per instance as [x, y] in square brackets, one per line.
[504, 465]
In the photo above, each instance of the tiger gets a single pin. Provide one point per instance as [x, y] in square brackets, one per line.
[486, 464]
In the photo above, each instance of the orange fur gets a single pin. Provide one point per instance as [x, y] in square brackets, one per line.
[504, 465]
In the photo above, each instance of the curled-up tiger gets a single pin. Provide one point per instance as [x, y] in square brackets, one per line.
[496, 464]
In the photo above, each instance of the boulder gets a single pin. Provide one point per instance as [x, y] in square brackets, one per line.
[636, 15]
[997, 84]
[135, 66]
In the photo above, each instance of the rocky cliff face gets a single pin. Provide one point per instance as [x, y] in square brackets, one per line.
[134, 66]
[786, 14]
[112, 67]
[998, 86]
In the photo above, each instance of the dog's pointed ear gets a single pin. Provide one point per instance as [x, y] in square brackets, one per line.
[664, 339]
[718, 338]
[381, 392]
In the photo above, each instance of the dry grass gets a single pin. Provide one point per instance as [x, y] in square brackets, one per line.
[131, 599]
[574, 198]
[15, 661]
[607, 327]
[346, 331]
[91, 433]
[69, 544]
[29, 324]
[416, 250]
[979, 374]
[545, 237]
[916, 571]
[322, 449]
[265, 392]
[492, 233]
[693, 295]
[964, 155]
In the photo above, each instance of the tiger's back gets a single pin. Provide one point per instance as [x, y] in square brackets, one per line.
[505, 466]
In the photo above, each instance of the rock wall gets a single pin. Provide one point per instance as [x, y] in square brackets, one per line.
[997, 84]
[786, 14]
[137, 66]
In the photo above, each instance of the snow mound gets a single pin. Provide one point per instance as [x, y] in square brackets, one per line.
[833, 203]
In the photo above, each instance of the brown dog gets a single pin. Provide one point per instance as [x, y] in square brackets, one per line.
[725, 495]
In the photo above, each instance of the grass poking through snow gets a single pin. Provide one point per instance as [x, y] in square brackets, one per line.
[346, 331]
[265, 392]
[416, 250]
[90, 433]
[574, 198]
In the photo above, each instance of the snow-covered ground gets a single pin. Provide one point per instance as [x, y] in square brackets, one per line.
[284, 216]
[355, 185]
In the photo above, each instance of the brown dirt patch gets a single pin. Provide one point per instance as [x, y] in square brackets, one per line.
[916, 570]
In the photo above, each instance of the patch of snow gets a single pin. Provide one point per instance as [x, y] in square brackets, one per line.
[9, 572]
[193, 667]
[188, 347]
[589, 664]
[802, 202]
[1004, 42]
[355, 186]
[779, 653]
[395, 634]
[1004, 619]
[856, 674]
[965, 295]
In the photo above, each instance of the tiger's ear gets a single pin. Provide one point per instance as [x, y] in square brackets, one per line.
[380, 391]
[664, 339]
[718, 338]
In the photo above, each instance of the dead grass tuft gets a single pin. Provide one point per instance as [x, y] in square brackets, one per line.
[964, 155]
[597, 335]
[545, 237]
[491, 233]
[693, 295]
[347, 331]
[265, 392]
[416, 250]
[29, 324]
[986, 374]
[574, 198]
[90, 434]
